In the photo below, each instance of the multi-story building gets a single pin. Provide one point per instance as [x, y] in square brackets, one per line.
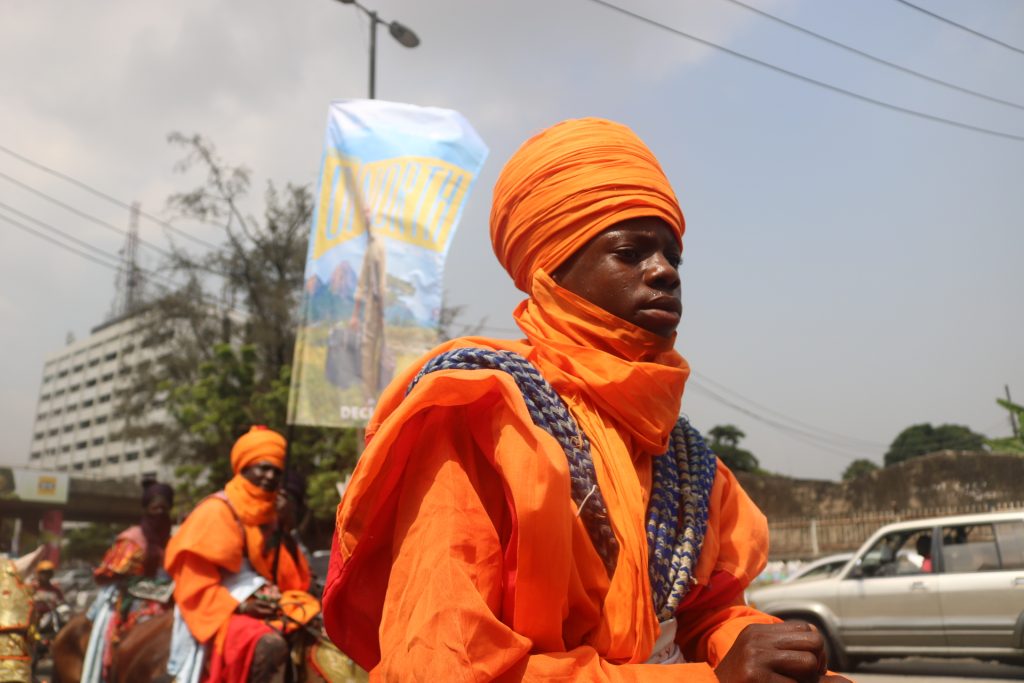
[78, 428]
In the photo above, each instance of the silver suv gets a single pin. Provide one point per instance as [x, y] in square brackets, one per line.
[946, 587]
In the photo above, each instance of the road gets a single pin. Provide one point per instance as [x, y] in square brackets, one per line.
[917, 670]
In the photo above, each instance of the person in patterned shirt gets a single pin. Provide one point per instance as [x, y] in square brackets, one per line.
[137, 554]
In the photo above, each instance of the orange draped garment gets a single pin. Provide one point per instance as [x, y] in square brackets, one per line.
[124, 558]
[210, 543]
[459, 554]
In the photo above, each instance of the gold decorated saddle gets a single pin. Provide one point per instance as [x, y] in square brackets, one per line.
[15, 617]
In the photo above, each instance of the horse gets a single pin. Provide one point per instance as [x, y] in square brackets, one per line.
[67, 651]
[141, 656]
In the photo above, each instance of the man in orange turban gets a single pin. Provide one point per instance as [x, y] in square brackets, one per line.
[222, 562]
[536, 509]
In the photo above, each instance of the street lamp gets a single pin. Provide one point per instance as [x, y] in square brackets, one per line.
[403, 34]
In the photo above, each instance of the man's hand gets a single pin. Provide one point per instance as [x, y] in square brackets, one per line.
[777, 653]
[269, 592]
[257, 608]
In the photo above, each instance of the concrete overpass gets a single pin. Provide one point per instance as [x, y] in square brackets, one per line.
[88, 500]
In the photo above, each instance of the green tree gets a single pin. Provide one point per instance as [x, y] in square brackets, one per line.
[921, 439]
[858, 468]
[725, 441]
[227, 336]
[88, 543]
[1010, 444]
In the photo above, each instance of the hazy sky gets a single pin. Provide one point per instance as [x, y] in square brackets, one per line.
[849, 269]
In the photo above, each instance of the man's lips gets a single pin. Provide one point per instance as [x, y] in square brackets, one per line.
[666, 304]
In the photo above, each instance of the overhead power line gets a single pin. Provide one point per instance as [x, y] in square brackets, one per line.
[101, 253]
[961, 26]
[813, 81]
[851, 441]
[874, 58]
[97, 255]
[103, 195]
[81, 214]
[57, 242]
[799, 434]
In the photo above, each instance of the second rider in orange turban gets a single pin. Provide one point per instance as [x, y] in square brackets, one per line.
[223, 566]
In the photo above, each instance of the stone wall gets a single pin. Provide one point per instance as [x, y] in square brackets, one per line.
[810, 518]
[943, 479]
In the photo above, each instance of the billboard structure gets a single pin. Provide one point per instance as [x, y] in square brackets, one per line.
[393, 184]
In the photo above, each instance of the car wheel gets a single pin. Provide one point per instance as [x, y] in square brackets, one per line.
[837, 659]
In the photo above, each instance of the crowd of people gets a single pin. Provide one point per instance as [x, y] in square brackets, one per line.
[526, 510]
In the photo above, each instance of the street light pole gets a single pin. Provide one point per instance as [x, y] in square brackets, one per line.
[403, 34]
[374, 20]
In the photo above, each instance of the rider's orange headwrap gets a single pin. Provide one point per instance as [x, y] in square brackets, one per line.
[259, 443]
[567, 184]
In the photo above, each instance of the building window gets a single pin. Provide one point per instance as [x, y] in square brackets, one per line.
[65, 448]
[107, 377]
[98, 441]
[78, 466]
[84, 423]
[59, 392]
[110, 356]
[58, 411]
[131, 457]
[82, 445]
[68, 428]
[78, 368]
[73, 406]
[95, 462]
[38, 435]
[101, 419]
[62, 468]
[104, 398]
[42, 415]
[151, 452]
[44, 397]
[47, 379]
[36, 455]
[94, 362]
[113, 459]
[53, 432]
[87, 402]
[74, 387]
[62, 373]
[91, 382]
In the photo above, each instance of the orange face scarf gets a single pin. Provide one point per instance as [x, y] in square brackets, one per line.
[567, 184]
[633, 375]
[254, 505]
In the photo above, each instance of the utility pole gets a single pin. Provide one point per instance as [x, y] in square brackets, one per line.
[128, 295]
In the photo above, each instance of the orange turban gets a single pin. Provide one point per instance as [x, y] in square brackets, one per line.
[259, 443]
[567, 184]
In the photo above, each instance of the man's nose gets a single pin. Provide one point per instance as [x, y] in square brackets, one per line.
[662, 272]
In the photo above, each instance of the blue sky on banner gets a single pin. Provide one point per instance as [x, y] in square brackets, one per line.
[850, 268]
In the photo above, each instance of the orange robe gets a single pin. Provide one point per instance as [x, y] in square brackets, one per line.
[209, 544]
[459, 553]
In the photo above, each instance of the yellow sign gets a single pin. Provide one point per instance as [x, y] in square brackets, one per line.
[412, 199]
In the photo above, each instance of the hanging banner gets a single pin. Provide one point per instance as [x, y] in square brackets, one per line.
[393, 185]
